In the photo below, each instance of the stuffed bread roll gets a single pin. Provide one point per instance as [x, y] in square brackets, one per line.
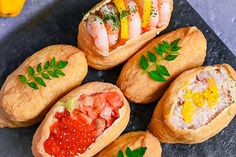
[141, 144]
[83, 122]
[29, 92]
[145, 77]
[196, 106]
[115, 29]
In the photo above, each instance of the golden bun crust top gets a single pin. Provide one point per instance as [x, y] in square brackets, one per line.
[102, 61]
[21, 104]
[107, 136]
[140, 88]
[204, 94]
[163, 129]
[133, 140]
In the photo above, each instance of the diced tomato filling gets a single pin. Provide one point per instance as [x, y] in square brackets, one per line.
[75, 131]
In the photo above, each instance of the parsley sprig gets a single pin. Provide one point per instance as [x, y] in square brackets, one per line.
[164, 51]
[135, 153]
[37, 76]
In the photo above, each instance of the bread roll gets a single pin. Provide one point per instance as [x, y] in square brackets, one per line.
[133, 140]
[83, 122]
[21, 105]
[197, 105]
[138, 86]
[121, 51]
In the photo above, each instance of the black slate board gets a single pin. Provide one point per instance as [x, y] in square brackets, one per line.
[59, 25]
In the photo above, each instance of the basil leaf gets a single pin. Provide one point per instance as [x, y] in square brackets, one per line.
[156, 76]
[59, 72]
[61, 64]
[165, 44]
[175, 43]
[151, 56]
[170, 57]
[158, 51]
[163, 70]
[143, 62]
[31, 71]
[139, 152]
[162, 48]
[39, 68]
[46, 66]
[53, 62]
[128, 152]
[33, 85]
[45, 76]
[167, 51]
[40, 81]
[53, 74]
[120, 154]
[176, 48]
[50, 69]
[22, 78]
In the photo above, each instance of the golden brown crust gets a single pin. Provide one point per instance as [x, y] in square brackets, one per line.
[140, 88]
[101, 61]
[22, 106]
[160, 124]
[103, 140]
[133, 140]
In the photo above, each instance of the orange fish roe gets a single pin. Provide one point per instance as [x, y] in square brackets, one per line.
[69, 136]
[75, 131]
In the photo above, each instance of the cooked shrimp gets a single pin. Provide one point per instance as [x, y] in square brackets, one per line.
[154, 18]
[109, 14]
[164, 12]
[96, 28]
[150, 13]
[134, 19]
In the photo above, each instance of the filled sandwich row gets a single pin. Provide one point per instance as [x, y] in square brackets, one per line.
[196, 102]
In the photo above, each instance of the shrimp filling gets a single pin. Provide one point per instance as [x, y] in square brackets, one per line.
[205, 96]
[80, 122]
[121, 20]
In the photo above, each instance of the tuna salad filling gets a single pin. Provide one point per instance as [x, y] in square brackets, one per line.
[205, 96]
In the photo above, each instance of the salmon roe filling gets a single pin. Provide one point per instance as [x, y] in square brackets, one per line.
[75, 131]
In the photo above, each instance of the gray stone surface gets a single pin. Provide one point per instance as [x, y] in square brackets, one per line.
[221, 17]
[32, 9]
[59, 25]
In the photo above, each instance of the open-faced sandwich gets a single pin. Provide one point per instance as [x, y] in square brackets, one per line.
[115, 29]
[83, 122]
[133, 144]
[196, 106]
[30, 91]
[145, 77]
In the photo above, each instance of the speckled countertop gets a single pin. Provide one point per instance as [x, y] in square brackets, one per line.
[219, 14]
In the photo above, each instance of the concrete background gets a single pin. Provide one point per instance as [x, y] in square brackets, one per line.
[219, 14]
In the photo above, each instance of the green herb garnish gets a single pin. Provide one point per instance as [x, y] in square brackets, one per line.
[123, 14]
[136, 153]
[114, 18]
[36, 77]
[132, 10]
[164, 51]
